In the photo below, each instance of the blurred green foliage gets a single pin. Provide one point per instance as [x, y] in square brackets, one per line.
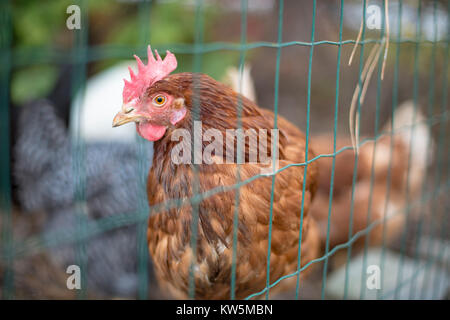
[38, 24]
[35, 22]
[32, 82]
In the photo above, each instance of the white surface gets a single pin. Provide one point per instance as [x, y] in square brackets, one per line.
[101, 101]
[430, 282]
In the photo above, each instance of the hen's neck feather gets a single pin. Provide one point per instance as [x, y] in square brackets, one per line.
[218, 107]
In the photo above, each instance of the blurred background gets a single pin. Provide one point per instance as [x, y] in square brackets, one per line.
[72, 188]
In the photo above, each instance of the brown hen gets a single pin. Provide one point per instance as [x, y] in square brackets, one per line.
[161, 104]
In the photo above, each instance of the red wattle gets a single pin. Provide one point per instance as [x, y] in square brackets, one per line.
[150, 132]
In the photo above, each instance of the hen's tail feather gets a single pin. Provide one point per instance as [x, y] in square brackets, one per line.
[247, 87]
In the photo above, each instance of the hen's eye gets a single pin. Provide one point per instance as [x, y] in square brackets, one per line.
[159, 100]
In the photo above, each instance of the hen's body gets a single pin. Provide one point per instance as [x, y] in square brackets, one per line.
[169, 230]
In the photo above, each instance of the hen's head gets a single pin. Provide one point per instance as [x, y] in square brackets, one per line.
[147, 102]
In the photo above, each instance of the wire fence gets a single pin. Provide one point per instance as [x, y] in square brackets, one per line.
[434, 189]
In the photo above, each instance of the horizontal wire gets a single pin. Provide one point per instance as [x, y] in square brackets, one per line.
[356, 236]
[24, 56]
[99, 226]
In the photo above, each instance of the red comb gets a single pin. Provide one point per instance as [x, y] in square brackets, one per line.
[155, 70]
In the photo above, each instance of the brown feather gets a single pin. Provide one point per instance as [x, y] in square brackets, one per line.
[169, 231]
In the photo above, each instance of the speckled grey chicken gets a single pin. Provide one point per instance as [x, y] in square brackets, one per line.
[43, 174]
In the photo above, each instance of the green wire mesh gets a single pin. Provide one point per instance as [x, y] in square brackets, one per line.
[82, 53]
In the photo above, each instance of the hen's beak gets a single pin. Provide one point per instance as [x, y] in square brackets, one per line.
[126, 115]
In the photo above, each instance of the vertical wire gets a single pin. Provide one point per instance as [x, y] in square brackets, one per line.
[7, 245]
[407, 191]
[144, 17]
[142, 145]
[432, 256]
[355, 168]
[336, 112]
[443, 252]
[441, 142]
[430, 112]
[391, 148]
[440, 155]
[274, 149]
[79, 59]
[199, 25]
[362, 292]
[244, 7]
[308, 108]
